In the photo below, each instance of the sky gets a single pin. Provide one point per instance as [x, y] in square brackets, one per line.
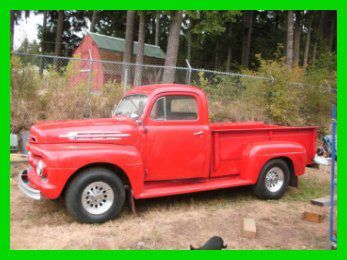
[27, 29]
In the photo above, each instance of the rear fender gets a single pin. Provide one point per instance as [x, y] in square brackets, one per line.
[256, 155]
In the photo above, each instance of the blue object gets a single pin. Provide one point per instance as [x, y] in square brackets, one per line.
[333, 180]
[327, 143]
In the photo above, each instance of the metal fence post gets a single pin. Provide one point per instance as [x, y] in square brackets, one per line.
[90, 74]
[189, 72]
[90, 83]
[125, 79]
[333, 179]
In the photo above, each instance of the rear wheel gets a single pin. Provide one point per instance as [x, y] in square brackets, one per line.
[273, 180]
[95, 196]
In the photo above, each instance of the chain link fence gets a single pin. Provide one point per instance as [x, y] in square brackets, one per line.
[70, 88]
[99, 72]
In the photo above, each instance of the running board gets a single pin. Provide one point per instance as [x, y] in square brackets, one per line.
[167, 188]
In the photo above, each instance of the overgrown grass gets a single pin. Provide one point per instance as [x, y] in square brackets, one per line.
[311, 186]
[54, 96]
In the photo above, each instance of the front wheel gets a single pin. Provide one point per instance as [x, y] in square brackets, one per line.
[273, 180]
[95, 196]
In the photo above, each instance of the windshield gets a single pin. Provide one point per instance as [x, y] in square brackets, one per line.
[129, 105]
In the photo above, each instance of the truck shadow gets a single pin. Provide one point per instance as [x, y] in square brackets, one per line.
[214, 199]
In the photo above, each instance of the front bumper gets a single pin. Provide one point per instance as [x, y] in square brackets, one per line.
[23, 184]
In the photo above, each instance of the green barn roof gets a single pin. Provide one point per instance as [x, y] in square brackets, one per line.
[117, 44]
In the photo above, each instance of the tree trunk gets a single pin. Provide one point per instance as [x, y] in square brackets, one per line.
[246, 37]
[229, 50]
[93, 21]
[60, 23]
[332, 28]
[172, 47]
[290, 23]
[140, 49]
[297, 35]
[216, 57]
[319, 36]
[314, 54]
[44, 29]
[320, 33]
[58, 36]
[189, 46]
[189, 54]
[43, 43]
[157, 28]
[321, 25]
[129, 42]
[307, 46]
[12, 22]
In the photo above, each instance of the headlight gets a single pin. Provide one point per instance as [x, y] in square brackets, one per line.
[40, 168]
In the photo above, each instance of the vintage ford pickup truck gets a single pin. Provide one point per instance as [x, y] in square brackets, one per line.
[159, 142]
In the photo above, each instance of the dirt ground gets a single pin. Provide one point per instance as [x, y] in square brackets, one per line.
[176, 222]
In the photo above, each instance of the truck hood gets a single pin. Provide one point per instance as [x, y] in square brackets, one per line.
[116, 130]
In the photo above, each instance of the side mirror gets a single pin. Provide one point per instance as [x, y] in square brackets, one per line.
[134, 116]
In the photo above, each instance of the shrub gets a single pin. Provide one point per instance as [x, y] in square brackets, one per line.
[293, 97]
[52, 96]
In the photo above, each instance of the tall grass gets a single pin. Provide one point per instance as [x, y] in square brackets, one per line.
[51, 96]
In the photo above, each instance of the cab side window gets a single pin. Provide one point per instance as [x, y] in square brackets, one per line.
[175, 107]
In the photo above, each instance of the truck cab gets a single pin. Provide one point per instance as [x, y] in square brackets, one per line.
[159, 142]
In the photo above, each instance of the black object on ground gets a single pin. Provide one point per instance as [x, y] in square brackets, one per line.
[214, 243]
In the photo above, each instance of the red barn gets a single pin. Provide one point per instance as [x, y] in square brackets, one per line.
[107, 48]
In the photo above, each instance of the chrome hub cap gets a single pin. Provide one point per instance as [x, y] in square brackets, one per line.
[274, 179]
[97, 197]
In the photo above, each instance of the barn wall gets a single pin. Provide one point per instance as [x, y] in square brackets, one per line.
[118, 56]
[97, 69]
[103, 72]
[112, 72]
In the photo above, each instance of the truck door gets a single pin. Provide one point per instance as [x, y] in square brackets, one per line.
[177, 142]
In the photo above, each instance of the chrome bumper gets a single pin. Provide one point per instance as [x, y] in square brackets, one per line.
[23, 184]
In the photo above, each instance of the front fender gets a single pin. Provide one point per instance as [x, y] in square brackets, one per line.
[66, 159]
[256, 155]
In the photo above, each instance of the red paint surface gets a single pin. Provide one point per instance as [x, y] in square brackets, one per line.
[162, 158]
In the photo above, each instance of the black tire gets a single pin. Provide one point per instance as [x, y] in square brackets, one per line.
[74, 191]
[261, 190]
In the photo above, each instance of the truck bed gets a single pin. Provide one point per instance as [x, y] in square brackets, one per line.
[229, 140]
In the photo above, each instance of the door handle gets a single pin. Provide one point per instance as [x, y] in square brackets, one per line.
[199, 133]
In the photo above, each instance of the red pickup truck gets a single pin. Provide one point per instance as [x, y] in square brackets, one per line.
[159, 142]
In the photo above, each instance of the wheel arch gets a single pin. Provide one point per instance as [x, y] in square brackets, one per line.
[257, 155]
[106, 165]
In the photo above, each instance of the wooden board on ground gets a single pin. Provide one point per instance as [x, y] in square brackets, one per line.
[18, 158]
[249, 228]
[323, 201]
[313, 213]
